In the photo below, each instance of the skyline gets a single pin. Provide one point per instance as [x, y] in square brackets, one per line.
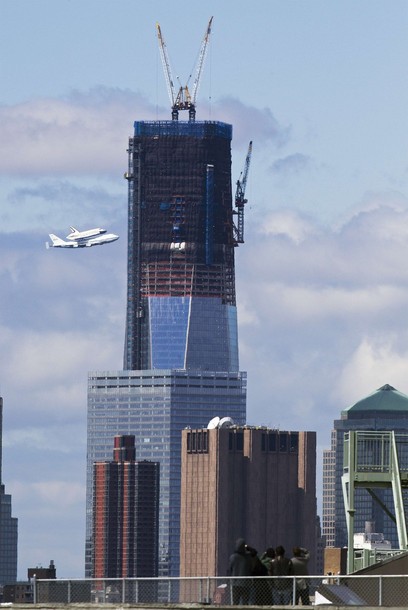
[325, 226]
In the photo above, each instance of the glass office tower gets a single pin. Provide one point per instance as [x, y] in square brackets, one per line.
[181, 346]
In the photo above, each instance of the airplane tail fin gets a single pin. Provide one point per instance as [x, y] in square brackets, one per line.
[56, 241]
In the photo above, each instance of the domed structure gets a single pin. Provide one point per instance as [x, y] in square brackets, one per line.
[386, 399]
[384, 410]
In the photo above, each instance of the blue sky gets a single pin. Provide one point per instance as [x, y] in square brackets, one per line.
[322, 286]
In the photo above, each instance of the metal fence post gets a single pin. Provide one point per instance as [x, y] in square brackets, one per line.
[380, 589]
[69, 592]
[208, 600]
[123, 590]
[34, 586]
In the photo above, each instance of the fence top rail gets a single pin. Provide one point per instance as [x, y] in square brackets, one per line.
[338, 577]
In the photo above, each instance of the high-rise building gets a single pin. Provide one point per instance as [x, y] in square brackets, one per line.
[383, 410]
[8, 526]
[181, 310]
[181, 347]
[253, 483]
[125, 514]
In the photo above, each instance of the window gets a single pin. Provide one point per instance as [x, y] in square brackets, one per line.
[197, 442]
[283, 442]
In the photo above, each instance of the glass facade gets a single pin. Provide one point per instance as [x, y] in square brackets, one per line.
[168, 318]
[180, 364]
[191, 333]
[155, 406]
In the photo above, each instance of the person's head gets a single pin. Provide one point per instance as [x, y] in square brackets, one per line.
[240, 545]
[296, 551]
[270, 552]
[280, 551]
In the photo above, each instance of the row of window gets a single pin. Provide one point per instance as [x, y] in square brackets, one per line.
[282, 442]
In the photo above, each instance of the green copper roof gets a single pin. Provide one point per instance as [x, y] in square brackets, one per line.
[386, 398]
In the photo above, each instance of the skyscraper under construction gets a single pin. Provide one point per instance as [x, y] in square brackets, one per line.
[181, 347]
[181, 288]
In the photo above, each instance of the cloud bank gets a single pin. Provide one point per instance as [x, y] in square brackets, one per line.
[322, 310]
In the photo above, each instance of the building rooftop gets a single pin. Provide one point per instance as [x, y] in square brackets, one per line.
[385, 398]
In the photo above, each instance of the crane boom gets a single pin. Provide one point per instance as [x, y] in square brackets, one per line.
[183, 100]
[240, 200]
[200, 62]
[166, 64]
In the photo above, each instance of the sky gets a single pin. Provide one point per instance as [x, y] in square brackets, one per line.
[322, 281]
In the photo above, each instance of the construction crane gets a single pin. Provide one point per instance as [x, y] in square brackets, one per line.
[183, 99]
[240, 200]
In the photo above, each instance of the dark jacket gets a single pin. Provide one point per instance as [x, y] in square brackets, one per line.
[300, 563]
[282, 566]
[240, 562]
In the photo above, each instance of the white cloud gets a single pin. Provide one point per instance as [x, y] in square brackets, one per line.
[373, 363]
[54, 365]
[322, 310]
[81, 135]
[288, 223]
[324, 315]
[291, 164]
[77, 135]
[252, 123]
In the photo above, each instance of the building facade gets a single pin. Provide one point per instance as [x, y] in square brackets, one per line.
[385, 409]
[125, 514]
[181, 363]
[181, 309]
[244, 482]
[8, 526]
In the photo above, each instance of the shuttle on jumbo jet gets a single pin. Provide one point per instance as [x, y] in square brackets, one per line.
[82, 239]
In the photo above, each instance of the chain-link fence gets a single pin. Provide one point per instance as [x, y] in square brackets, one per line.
[261, 590]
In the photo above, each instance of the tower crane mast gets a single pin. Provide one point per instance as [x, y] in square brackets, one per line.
[240, 200]
[183, 100]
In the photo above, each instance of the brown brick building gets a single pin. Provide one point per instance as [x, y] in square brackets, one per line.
[255, 483]
[125, 514]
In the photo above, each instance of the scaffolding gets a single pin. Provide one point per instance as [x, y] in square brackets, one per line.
[375, 460]
[181, 230]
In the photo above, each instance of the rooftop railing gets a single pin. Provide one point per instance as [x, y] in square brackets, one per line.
[348, 590]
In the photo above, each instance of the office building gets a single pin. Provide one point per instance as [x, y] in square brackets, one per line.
[254, 483]
[181, 344]
[385, 409]
[8, 526]
[125, 514]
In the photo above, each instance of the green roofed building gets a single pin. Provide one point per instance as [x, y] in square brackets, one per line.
[384, 409]
[383, 401]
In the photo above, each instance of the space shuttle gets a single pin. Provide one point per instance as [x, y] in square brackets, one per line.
[75, 234]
